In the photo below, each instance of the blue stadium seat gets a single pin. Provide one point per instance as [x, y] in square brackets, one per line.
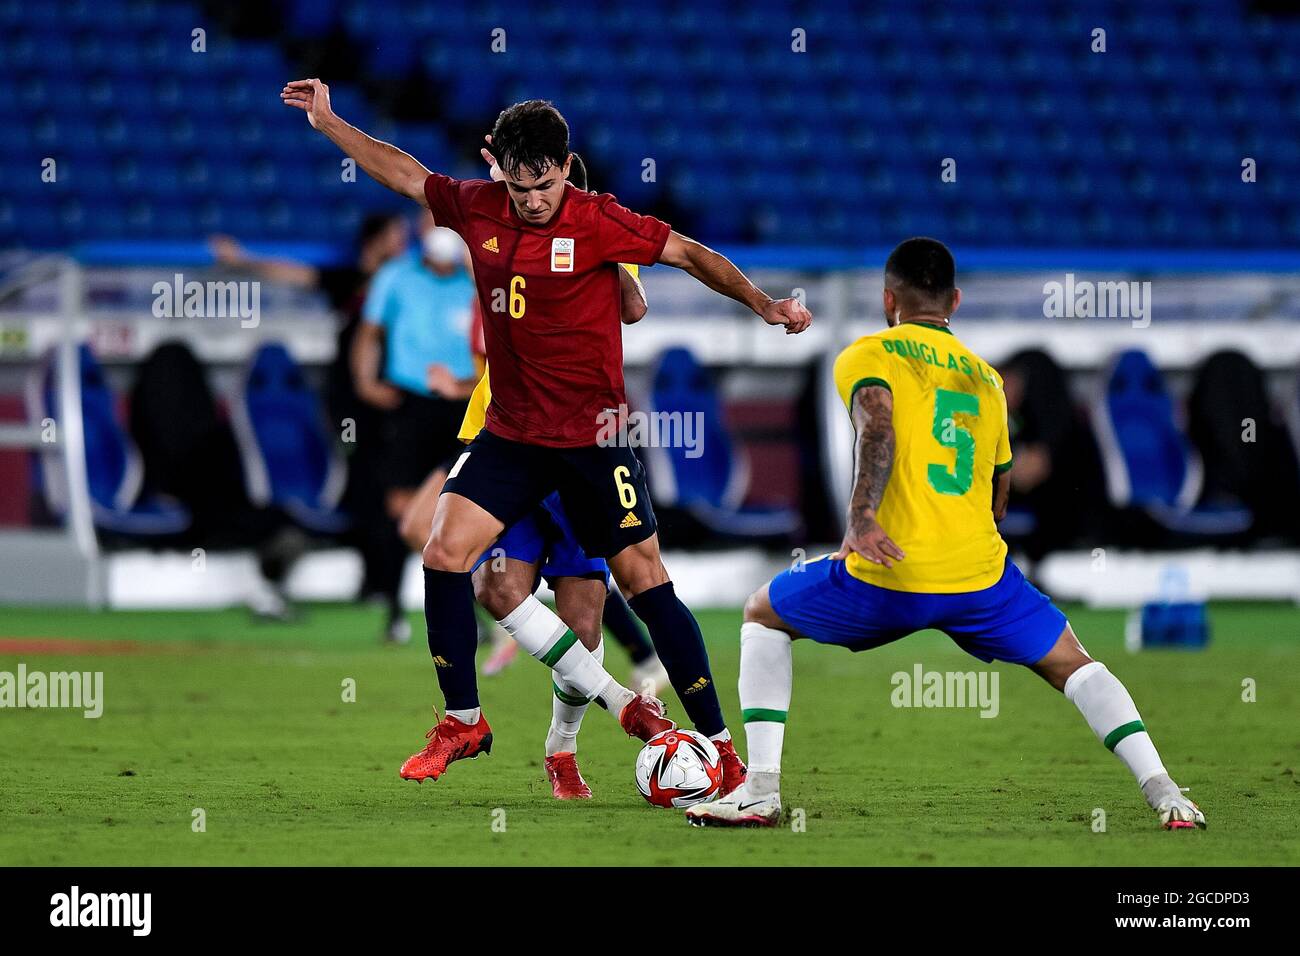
[1187, 88]
[114, 469]
[288, 453]
[1148, 462]
[709, 477]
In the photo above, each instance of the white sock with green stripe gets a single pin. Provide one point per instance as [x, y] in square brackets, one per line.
[1114, 718]
[542, 634]
[567, 709]
[766, 677]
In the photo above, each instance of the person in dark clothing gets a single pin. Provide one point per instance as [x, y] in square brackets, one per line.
[189, 452]
[1049, 474]
[381, 238]
[1245, 449]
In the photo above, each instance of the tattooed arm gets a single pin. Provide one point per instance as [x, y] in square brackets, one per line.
[873, 410]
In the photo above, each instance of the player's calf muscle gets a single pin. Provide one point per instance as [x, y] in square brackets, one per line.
[580, 603]
[502, 589]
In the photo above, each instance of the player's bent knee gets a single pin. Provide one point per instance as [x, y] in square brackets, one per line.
[439, 555]
[639, 568]
[758, 610]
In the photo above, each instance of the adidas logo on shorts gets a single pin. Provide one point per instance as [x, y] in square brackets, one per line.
[631, 521]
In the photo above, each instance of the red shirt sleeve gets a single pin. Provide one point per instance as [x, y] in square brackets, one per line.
[449, 198]
[625, 236]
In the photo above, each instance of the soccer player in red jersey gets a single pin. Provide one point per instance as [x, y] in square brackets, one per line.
[546, 260]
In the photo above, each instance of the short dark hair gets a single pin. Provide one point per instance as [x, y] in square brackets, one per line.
[530, 135]
[578, 171]
[923, 265]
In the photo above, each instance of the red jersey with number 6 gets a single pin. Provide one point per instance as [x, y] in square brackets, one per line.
[551, 302]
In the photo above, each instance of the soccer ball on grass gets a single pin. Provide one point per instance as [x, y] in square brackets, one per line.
[678, 768]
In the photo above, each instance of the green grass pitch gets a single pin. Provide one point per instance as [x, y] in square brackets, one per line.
[246, 721]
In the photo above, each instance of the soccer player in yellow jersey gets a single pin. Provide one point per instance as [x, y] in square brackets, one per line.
[922, 549]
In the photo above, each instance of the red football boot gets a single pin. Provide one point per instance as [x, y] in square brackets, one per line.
[644, 717]
[449, 740]
[733, 768]
[566, 781]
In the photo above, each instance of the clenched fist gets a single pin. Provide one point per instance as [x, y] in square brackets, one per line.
[791, 313]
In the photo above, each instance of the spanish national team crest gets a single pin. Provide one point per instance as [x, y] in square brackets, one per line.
[561, 255]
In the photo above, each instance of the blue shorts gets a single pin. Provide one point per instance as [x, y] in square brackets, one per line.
[547, 535]
[1011, 621]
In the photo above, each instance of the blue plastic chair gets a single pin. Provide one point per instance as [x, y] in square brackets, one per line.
[114, 468]
[1147, 460]
[710, 477]
[287, 451]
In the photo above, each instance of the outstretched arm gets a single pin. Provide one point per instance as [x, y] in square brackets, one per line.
[718, 273]
[384, 162]
[229, 252]
[873, 413]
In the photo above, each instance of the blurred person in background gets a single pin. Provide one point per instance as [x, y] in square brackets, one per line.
[1053, 469]
[1248, 457]
[413, 362]
[381, 238]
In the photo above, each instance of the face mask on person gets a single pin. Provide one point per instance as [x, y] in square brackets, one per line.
[443, 247]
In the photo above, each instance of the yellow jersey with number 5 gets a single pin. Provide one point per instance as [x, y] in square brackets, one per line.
[950, 438]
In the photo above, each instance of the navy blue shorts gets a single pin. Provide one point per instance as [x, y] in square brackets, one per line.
[603, 487]
[1011, 621]
[547, 534]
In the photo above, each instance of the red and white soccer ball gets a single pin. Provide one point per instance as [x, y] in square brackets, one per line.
[678, 768]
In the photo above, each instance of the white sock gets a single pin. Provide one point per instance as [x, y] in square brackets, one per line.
[542, 634]
[721, 736]
[766, 677]
[1114, 718]
[566, 713]
[468, 717]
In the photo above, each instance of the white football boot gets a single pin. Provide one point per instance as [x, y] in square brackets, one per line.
[1176, 811]
[737, 809]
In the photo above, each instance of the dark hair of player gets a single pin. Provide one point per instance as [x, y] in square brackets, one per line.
[578, 172]
[923, 270]
[531, 135]
[924, 265]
